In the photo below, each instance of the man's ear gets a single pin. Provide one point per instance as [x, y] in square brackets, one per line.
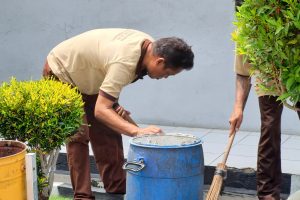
[160, 60]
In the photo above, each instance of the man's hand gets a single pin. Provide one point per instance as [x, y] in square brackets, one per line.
[236, 120]
[148, 130]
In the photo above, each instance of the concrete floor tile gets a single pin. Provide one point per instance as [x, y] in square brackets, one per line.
[293, 142]
[284, 138]
[219, 131]
[244, 150]
[192, 129]
[238, 161]
[251, 139]
[200, 133]
[210, 158]
[240, 137]
[295, 183]
[290, 154]
[221, 137]
[215, 148]
[291, 166]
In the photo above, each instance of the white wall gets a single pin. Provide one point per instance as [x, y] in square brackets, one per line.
[202, 97]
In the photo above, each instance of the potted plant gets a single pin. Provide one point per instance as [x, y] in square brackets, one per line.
[43, 114]
[268, 35]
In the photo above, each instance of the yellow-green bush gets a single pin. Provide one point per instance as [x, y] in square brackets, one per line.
[41, 113]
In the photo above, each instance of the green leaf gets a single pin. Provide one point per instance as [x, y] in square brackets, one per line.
[280, 42]
[279, 29]
[289, 83]
[272, 22]
[283, 96]
[294, 41]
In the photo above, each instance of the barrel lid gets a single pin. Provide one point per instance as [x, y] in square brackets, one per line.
[166, 140]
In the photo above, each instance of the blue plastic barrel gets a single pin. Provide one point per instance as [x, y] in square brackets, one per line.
[165, 167]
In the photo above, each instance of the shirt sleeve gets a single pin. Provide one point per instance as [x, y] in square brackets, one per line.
[117, 76]
[241, 67]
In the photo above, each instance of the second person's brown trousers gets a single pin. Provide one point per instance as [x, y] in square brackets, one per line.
[269, 148]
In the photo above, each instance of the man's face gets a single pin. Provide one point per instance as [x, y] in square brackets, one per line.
[158, 70]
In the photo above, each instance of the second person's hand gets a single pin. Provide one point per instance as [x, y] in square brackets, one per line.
[236, 120]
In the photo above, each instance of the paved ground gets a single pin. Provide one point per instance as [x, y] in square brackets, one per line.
[244, 150]
[243, 154]
[62, 187]
[236, 197]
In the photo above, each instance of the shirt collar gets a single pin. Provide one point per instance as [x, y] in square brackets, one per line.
[140, 72]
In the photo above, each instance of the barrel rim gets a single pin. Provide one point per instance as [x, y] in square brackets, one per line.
[20, 144]
[198, 142]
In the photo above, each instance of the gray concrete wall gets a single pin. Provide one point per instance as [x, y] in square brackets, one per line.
[202, 97]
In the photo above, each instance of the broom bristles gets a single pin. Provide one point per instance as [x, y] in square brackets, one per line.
[216, 185]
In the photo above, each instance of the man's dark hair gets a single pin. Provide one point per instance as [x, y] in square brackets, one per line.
[175, 51]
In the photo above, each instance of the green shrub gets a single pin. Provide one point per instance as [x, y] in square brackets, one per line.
[268, 34]
[43, 114]
[59, 198]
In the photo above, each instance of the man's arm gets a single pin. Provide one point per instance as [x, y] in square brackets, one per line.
[243, 86]
[123, 113]
[104, 112]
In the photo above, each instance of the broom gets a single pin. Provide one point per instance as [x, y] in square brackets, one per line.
[221, 169]
[220, 173]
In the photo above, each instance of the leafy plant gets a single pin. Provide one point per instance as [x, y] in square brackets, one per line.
[268, 35]
[59, 198]
[43, 114]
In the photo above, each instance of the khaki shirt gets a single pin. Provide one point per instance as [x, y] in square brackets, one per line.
[104, 59]
[240, 67]
[243, 68]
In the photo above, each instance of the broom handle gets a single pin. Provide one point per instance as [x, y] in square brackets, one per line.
[228, 147]
[232, 134]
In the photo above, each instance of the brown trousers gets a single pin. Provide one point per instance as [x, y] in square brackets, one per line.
[107, 147]
[269, 149]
